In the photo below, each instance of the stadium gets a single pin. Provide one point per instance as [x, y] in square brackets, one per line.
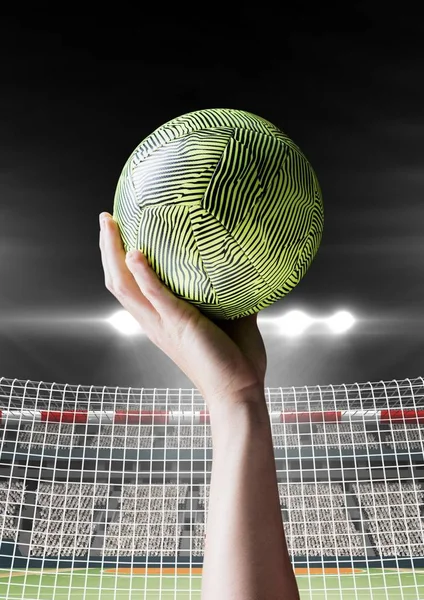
[104, 491]
[106, 447]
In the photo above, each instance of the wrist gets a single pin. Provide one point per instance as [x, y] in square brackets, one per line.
[247, 406]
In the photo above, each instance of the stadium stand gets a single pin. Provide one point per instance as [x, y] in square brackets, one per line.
[12, 497]
[394, 519]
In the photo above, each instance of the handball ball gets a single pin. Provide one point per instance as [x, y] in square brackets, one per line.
[225, 207]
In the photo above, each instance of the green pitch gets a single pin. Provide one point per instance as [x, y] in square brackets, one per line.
[97, 584]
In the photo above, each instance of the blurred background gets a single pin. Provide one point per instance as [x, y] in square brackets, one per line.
[78, 94]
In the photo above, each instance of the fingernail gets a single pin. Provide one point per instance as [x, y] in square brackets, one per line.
[103, 216]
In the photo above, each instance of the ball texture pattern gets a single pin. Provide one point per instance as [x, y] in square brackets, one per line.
[226, 208]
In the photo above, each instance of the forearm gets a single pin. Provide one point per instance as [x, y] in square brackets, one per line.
[246, 555]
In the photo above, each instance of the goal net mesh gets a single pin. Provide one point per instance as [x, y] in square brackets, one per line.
[104, 491]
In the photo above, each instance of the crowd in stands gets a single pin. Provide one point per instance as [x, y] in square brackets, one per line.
[392, 509]
[45, 435]
[401, 438]
[146, 520]
[12, 497]
[318, 522]
[134, 519]
[334, 436]
[344, 435]
[120, 436]
[64, 517]
[69, 518]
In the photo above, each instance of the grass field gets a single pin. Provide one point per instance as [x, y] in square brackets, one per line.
[108, 584]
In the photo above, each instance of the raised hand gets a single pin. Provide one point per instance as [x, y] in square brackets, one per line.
[224, 359]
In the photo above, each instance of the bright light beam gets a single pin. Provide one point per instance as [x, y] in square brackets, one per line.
[125, 323]
[340, 322]
[294, 323]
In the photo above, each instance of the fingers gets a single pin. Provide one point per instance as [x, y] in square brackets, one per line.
[119, 280]
[160, 297]
[137, 287]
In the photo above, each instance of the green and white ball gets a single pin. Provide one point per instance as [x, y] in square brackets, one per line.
[226, 208]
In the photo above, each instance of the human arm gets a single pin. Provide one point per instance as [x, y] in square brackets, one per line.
[246, 555]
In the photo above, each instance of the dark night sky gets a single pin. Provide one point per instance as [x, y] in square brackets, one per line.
[77, 98]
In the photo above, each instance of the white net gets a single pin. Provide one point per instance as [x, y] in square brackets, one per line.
[104, 492]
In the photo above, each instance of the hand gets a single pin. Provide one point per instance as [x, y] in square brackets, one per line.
[225, 360]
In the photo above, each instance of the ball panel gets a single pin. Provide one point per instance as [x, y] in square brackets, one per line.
[202, 120]
[181, 170]
[233, 276]
[214, 118]
[126, 211]
[285, 228]
[266, 151]
[273, 231]
[166, 238]
[272, 260]
[234, 187]
[200, 261]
